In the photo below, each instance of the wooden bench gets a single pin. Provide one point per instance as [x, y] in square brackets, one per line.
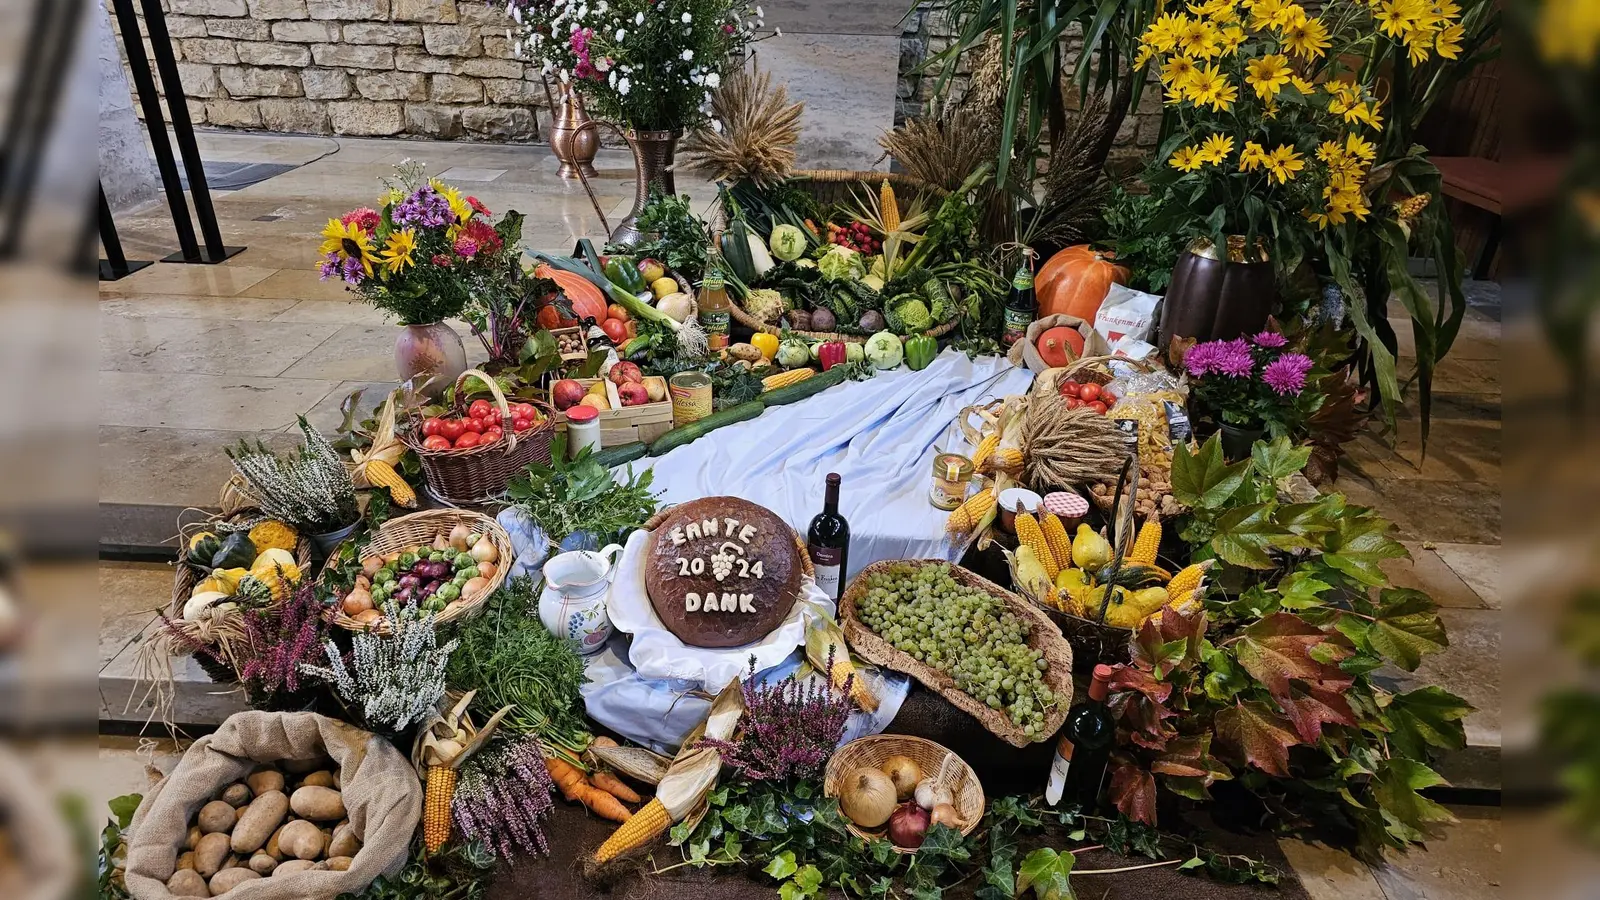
[1480, 183]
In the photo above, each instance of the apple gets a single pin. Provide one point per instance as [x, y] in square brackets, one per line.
[566, 393]
[596, 401]
[633, 394]
[626, 373]
[651, 269]
[619, 312]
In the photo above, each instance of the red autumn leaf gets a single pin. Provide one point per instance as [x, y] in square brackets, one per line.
[1172, 643]
[1190, 757]
[1277, 650]
[1133, 790]
[1131, 678]
[1309, 709]
[1142, 720]
[1260, 734]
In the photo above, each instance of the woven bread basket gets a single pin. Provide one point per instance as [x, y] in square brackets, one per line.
[476, 475]
[936, 762]
[1043, 636]
[421, 528]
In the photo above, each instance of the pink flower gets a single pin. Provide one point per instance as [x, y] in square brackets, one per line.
[1287, 373]
[727, 28]
[441, 259]
[466, 247]
[364, 218]
[477, 204]
[1270, 340]
[1230, 358]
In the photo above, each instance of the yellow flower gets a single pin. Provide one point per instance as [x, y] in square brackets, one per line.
[1308, 39]
[1365, 112]
[1349, 202]
[347, 242]
[400, 251]
[1251, 156]
[394, 197]
[1396, 17]
[1301, 85]
[1143, 57]
[1323, 219]
[1177, 72]
[1568, 31]
[1163, 32]
[1283, 163]
[1418, 43]
[1360, 148]
[1331, 152]
[1208, 86]
[1232, 37]
[1267, 74]
[1187, 159]
[1199, 38]
[1216, 148]
[1449, 42]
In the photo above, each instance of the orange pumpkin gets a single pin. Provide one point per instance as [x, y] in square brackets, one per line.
[1074, 282]
[1059, 346]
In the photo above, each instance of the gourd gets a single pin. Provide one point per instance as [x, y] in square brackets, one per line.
[237, 552]
[272, 533]
[195, 606]
[202, 547]
[1074, 281]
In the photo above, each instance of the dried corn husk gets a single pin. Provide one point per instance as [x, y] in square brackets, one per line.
[695, 769]
[450, 738]
[635, 762]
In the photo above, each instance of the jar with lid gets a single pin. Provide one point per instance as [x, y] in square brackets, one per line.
[583, 430]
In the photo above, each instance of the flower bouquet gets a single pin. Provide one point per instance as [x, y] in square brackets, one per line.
[1255, 383]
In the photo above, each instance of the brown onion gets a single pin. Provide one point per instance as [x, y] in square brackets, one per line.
[904, 772]
[867, 797]
[945, 814]
[909, 825]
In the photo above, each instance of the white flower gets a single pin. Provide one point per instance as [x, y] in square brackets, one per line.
[687, 18]
[621, 35]
[516, 13]
[777, 32]
[603, 7]
[638, 19]
[716, 126]
[760, 14]
[687, 55]
[613, 79]
[623, 86]
[713, 79]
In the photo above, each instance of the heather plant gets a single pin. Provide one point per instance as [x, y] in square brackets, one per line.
[502, 798]
[398, 678]
[277, 642]
[789, 729]
[310, 489]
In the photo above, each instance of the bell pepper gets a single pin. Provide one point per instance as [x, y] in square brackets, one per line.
[920, 351]
[831, 354]
[622, 273]
[766, 343]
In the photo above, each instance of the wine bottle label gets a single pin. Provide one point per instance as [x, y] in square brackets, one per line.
[828, 563]
[1017, 322]
[1060, 763]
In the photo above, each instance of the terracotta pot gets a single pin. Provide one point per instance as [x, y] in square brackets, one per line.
[430, 353]
[1211, 298]
[652, 165]
[574, 137]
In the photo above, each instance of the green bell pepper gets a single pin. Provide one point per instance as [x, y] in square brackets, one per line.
[920, 351]
[621, 271]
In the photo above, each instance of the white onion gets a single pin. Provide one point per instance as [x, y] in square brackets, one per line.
[867, 797]
[484, 551]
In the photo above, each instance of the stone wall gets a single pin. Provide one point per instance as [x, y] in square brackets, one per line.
[427, 68]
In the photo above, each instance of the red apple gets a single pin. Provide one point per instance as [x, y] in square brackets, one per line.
[651, 270]
[633, 394]
[626, 373]
[566, 393]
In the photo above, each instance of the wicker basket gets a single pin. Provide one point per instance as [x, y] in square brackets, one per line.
[1084, 370]
[477, 475]
[422, 528]
[948, 769]
[1043, 637]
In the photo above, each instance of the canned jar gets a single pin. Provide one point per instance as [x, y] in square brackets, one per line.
[951, 472]
[691, 397]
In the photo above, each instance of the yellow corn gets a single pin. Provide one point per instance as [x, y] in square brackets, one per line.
[381, 474]
[986, 447]
[969, 514]
[1031, 535]
[441, 789]
[1146, 544]
[843, 669]
[649, 823]
[1186, 581]
[1055, 534]
[784, 379]
[1006, 459]
[889, 208]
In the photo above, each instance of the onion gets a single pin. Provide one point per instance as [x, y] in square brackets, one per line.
[487, 569]
[930, 793]
[371, 565]
[867, 797]
[391, 557]
[484, 551]
[367, 617]
[904, 772]
[945, 814]
[440, 542]
[474, 585]
[908, 826]
[460, 537]
[356, 602]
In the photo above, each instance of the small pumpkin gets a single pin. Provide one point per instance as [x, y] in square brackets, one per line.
[1075, 281]
[1060, 346]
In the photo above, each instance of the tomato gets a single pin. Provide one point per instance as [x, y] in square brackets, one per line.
[1089, 393]
[1108, 399]
[1098, 407]
[491, 436]
[451, 428]
[430, 426]
[481, 409]
[1069, 389]
[467, 439]
[618, 311]
[436, 442]
[523, 410]
[1073, 403]
[474, 426]
[616, 330]
[520, 425]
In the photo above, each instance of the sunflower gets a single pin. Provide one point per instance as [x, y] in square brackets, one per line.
[1396, 17]
[1283, 163]
[1199, 38]
[1267, 74]
[1308, 39]
[1216, 148]
[1323, 219]
[1365, 112]
[1302, 85]
[1251, 156]
[1187, 159]
[342, 242]
[1163, 32]
[1232, 37]
[1349, 202]
[1208, 86]
[1332, 153]
[1176, 74]
[401, 250]
[1449, 42]
[1143, 57]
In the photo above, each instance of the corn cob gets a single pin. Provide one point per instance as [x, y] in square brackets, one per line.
[441, 789]
[969, 514]
[889, 208]
[381, 474]
[986, 448]
[1146, 544]
[1006, 459]
[844, 668]
[649, 823]
[784, 379]
[1030, 534]
[1186, 581]
[1055, 534]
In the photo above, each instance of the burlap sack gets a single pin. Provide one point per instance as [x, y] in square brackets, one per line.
[381, 795]
[1026, 352]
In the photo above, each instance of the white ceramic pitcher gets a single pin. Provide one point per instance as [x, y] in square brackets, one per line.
[573, 603]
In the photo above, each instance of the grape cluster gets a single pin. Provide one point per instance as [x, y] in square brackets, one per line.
[966, 633]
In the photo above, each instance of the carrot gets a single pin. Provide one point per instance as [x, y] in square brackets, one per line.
[602, 741]
[613, 785]
[570, 780]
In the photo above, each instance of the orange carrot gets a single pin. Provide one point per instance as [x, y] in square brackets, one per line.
[613, 785]
[570, 780]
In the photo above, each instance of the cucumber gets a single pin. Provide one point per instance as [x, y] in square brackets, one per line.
[683, 434]
[803, 389]
[611, 457]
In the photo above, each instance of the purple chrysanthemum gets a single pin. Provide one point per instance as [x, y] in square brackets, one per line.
[1287, 373]
[1270, 340]
[1234, 359]
[425, 207]
[1201, 358]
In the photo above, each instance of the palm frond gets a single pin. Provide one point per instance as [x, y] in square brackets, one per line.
[760, 129]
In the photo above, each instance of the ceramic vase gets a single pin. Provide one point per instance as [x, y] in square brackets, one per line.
[652, 165]
[1215, 298]
[574, 137]
[431, 354]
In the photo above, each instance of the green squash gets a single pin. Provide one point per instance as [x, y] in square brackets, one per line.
[237, 552]
[202, 547]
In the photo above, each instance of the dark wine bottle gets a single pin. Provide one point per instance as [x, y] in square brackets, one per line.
[828, 542]
[1021, 306]
[1079, 767]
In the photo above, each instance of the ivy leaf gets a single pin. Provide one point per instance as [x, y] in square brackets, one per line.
[1408, 815]
[122, 809]
[1260, 734]
[1133, 789]
[1048, 873]
[1426, 717]
[1277, 649]
[1245, 534]
[1279, 459]
[782, 865]
[1359, 544]
[1406, 627]
[1204, 479]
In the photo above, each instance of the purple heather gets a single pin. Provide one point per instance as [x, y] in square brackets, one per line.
[789, 728]
[503, 799]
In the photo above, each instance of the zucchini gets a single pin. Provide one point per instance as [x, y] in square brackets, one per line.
[800, 390]
[611, 457]
[683, 434]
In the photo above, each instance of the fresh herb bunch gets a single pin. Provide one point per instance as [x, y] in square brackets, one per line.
[731, 384]
[579, 495]
[398, 677]
[789, 728]
[459, 871]
[676, 236]
[509, 657]
[502, 798]
[310, 490]
[1128, 224]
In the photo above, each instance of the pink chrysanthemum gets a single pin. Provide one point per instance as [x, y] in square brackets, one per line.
[466, 248]
[1287, 373]
[364, 218]
[1270, 340]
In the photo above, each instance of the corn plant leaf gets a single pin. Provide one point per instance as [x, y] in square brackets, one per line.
[1205, 479]
[1259, 734]
[1406, 627]
[1048, 873]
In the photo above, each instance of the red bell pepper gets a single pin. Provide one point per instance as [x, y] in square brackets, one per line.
[831, 354]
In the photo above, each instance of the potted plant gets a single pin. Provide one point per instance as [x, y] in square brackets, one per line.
[421, 257]
[1251, 386]
[310, 490]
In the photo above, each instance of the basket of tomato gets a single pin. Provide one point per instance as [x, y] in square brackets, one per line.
[469, 456]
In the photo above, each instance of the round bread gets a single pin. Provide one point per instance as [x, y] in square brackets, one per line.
[723, 572]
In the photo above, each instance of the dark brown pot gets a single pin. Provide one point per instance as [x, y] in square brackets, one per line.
[1214, 299]
[652, 164]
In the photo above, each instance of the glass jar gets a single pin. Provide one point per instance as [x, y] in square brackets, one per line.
[583, 430]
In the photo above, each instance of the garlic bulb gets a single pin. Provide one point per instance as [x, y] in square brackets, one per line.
[930, 793]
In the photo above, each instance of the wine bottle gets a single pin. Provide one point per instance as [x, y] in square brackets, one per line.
[1021, 306]
[1079, 766]
[828, 541]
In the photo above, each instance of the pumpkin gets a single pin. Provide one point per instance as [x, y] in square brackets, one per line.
[587, 301]
[1059, 346]
[1074, 282]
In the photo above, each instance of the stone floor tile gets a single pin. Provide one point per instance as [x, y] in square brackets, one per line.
[126, 695]
[1425, 571]
[179, 278]
[1478, 338]
[130, 596]
[847, 83]
[1462, 865]
[338, 312]
[1454, 406]
[1469, 668]
[1452, 511]
[130, 765]
[243, 308]
[1456, 450]
[177, 467]
[468, 173]
[218, 402]
[1458, 375]
[1478, 565]
[353, 353]
[157, 344]
[1330, 874]
[328, 415]
[303, 283]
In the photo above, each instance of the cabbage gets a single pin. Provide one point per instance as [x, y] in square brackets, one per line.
[842, 263]
[787, 242]
[914, 316]
[884, 350]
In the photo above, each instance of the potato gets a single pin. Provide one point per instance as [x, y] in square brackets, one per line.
[228, 879]
[302, 840]
[262, 864]
[339, 863]
[344, 843]
[210, 854]
[186, 859]
[319, 778]
[193, 840]
[187, 883]
[293, 866]
[258, 821]
[272, 849]
[319, 803]
[264, 781]
[218, 815]
[238, 794]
